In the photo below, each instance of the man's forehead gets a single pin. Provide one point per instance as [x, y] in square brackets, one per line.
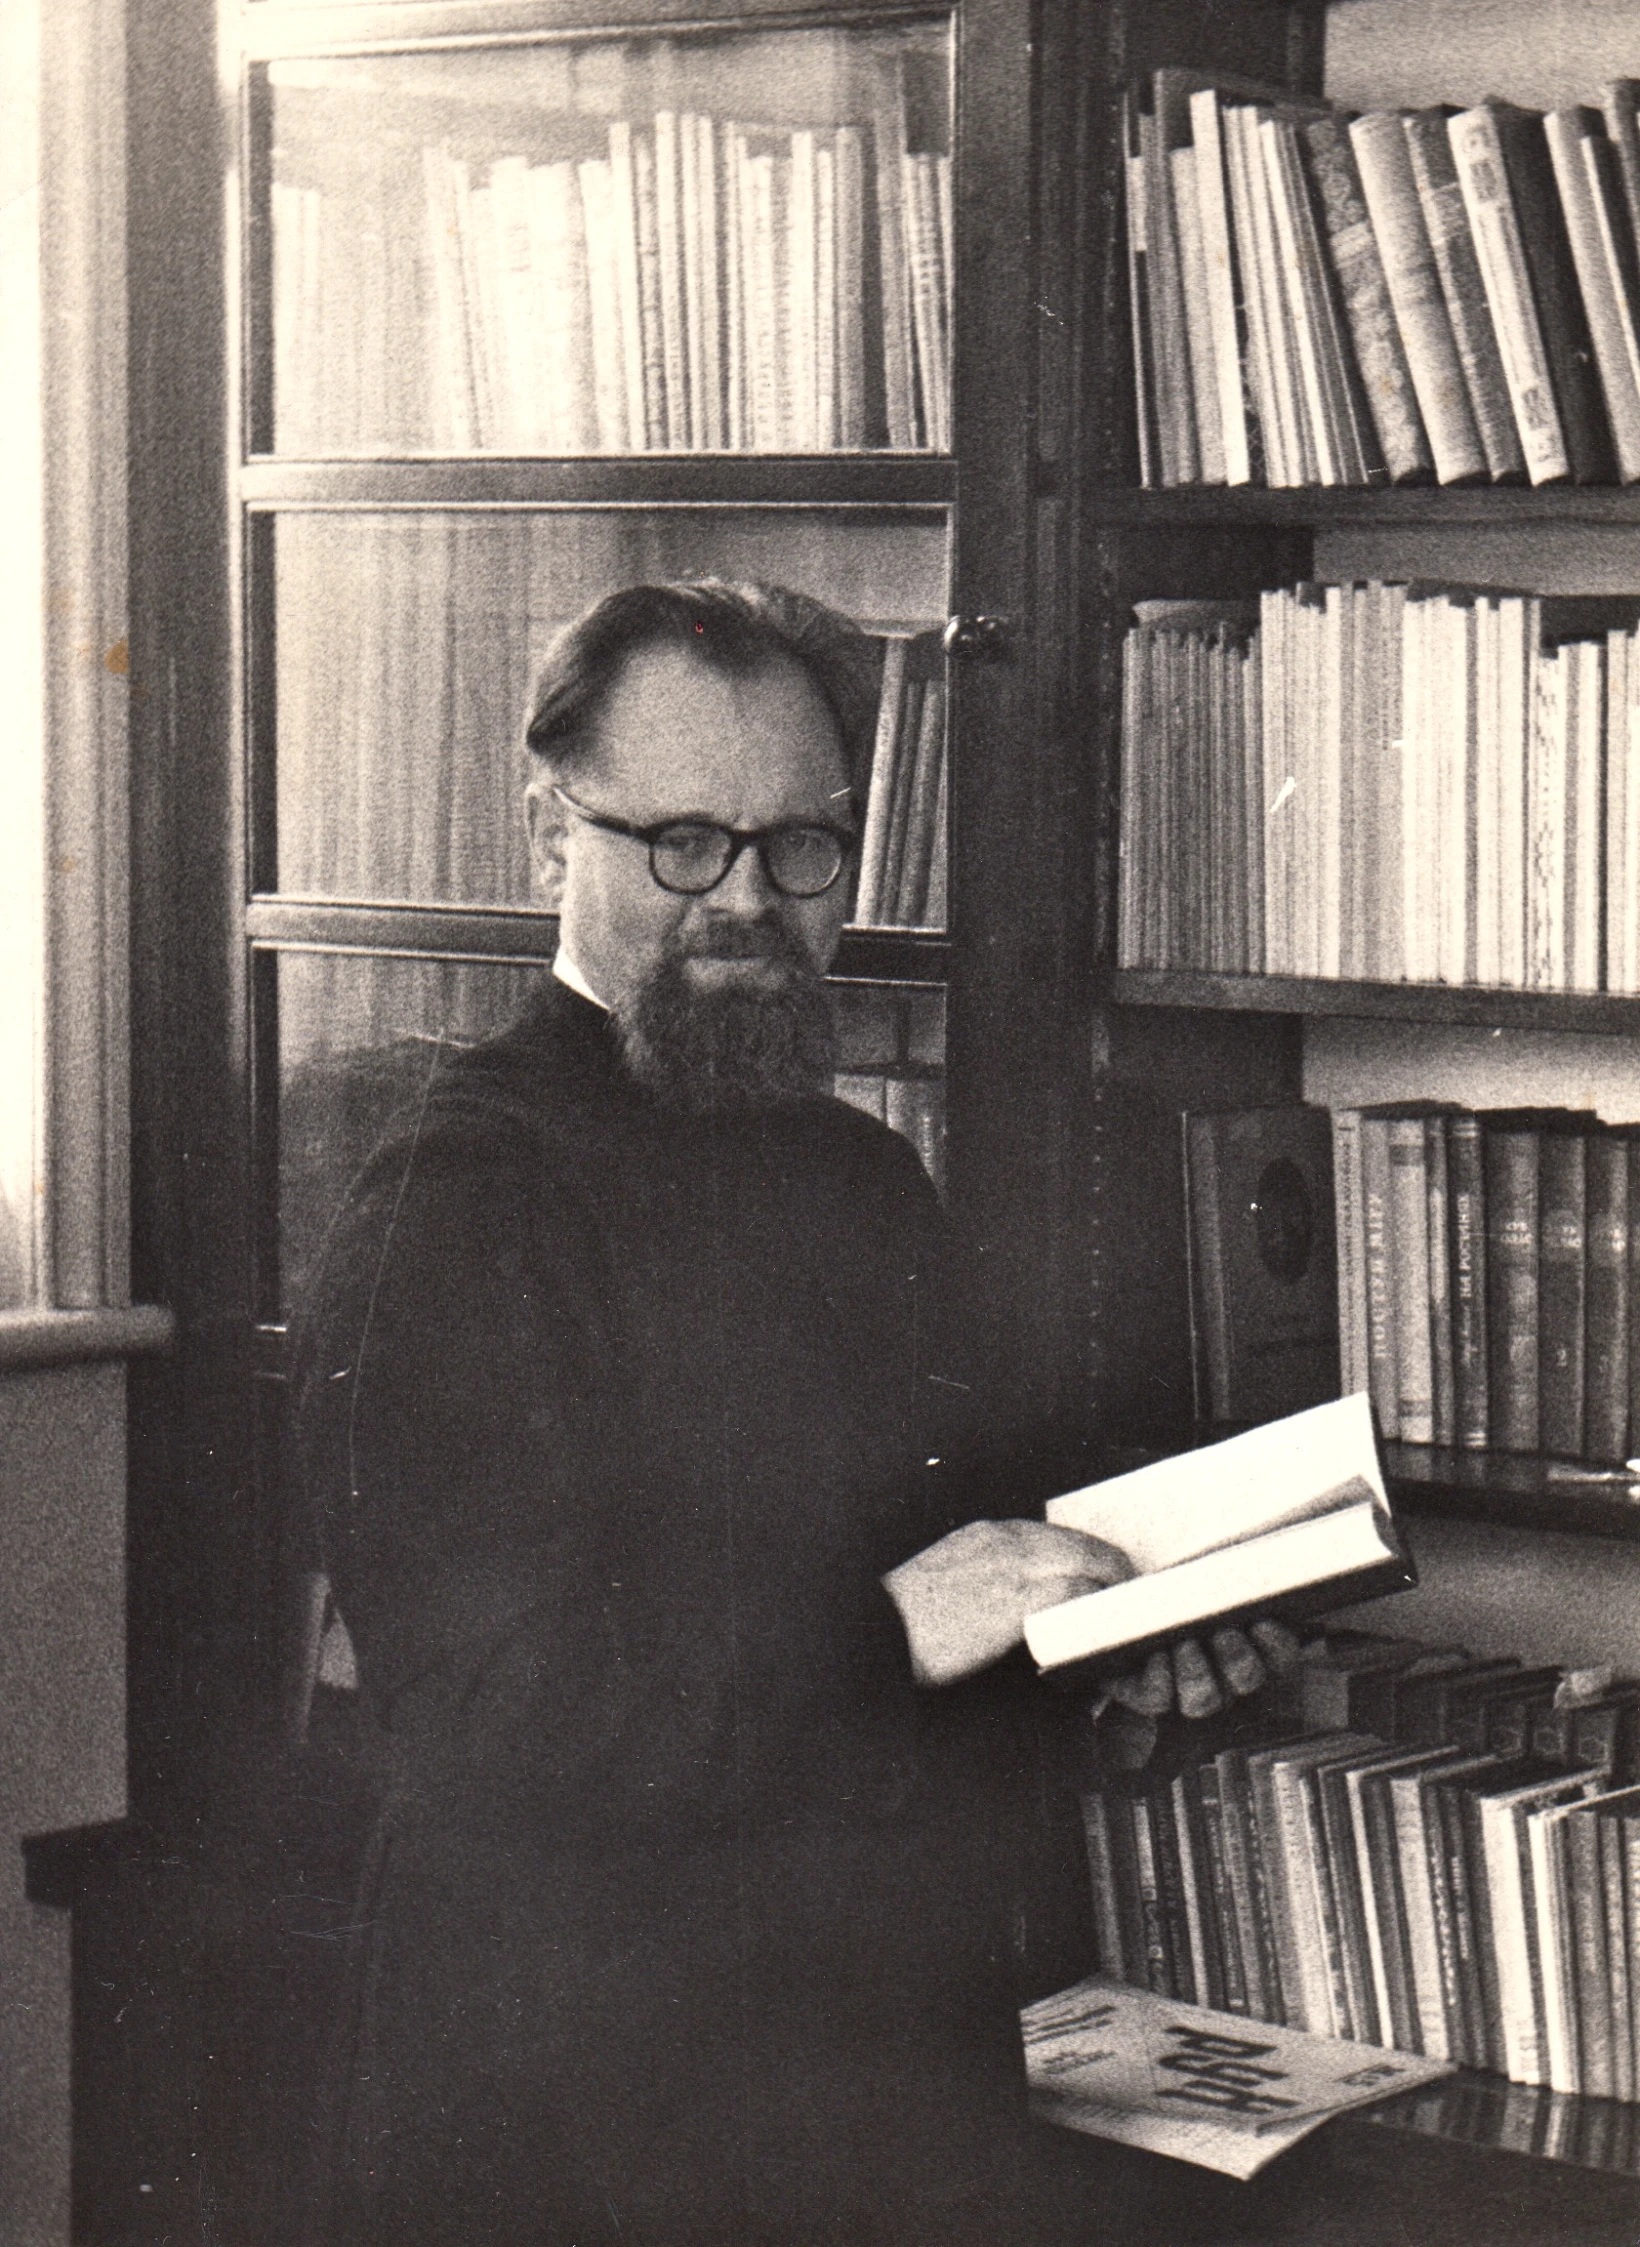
[671, 715]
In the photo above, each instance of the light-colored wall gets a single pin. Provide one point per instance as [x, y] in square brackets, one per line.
[62, 1739]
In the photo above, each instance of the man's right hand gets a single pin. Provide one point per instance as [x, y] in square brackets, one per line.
[964, 1600]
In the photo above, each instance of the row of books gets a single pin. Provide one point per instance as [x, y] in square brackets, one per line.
[1318, 299]
[704, 286]
[1489, 1277]
[1420, 783]
[1410, 1847]
[903, 855]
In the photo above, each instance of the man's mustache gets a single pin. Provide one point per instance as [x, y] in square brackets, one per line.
[743, 940]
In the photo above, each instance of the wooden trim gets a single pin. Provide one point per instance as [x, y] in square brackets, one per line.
[269, 31]
[35, 1341]
[646, 480]
[1603, 1013]
[519, 937]
[88, 672]
[1514, 1490]
[1486, 506]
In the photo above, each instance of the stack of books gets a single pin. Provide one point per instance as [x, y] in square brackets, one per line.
[1420, 783]
[1408, 295]
[698, 285]
[1489, 1277]
[1415, 1849]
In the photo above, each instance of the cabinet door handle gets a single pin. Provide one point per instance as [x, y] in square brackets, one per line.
[979, 639]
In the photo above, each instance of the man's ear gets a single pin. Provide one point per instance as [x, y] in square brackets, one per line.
[547, 822]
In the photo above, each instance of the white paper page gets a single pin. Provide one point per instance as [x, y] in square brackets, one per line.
[1170, 1511]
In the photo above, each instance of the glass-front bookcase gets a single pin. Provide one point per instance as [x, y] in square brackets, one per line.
[525, 312]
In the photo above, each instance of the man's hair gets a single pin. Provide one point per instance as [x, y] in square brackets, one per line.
[738, 628]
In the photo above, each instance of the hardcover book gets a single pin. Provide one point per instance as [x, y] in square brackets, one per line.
[1263, 1260]
[1289, 1519]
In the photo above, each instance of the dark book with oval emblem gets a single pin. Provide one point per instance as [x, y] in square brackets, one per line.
[1263, 1262]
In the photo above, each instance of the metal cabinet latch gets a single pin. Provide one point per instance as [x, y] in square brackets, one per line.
[980, 639]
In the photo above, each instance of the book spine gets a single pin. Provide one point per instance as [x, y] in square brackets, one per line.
[1467, 1228]
[888, 127]
[1107, 1922]
[1477, 152]
[1254, 1924]
[1629, 1849]
[1631, 1149]
[1396, 1996]
[1423, 1937]
[1207, 1261]
[646, 206]
[1158, 1964]
[1175, 402]
[1620, 1964]
[1206, 1961]
[1444, 1416]
[1316, 1837]
[1618, 101]
[1447, 223]
[851, 365]
[1508, 1877]
[1433, 1808]
[1174, 1894]
[1586, 1891]
[1415, 292]
[825, 299]
[1574, 152]
[1409, 1279]
[1225, 315]
[803, 299]
[1511, 1173]
[1467, 1914]
[1221, 1889]
[1204, 386]
[1606, 1367]
[1349, 1204]
[1556, 1961]
[1562, 1220]
[629, 289]
[1306, 1981]
[1358, 2003]
[1382, 1353]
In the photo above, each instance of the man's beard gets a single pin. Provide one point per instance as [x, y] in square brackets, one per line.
[715, 1049]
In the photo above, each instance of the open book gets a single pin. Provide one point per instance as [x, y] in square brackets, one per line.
[1290, 1519]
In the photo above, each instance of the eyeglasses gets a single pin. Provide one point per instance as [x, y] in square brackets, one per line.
[691, 856]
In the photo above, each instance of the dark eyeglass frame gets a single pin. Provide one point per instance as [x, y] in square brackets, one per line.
[738, 839]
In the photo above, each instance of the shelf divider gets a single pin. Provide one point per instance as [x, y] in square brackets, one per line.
[1605, 1013]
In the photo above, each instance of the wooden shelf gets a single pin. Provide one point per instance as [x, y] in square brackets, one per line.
[1514, 1490]
[269, 32]
[509, 935]
[1488, 505]
[1605, 1013]
[795, 480]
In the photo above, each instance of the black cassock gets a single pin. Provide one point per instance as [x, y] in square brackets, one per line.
[682, 1917]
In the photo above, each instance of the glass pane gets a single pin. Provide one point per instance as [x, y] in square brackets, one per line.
[406, 649]
[718, 242]
[359, 1035]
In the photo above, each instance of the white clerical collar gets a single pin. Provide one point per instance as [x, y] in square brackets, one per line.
[567, 972]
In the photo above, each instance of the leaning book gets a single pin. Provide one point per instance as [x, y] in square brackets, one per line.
[1212, 2088]
[1291, 1519]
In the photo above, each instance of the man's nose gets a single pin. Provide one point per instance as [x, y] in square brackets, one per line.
[745, 889]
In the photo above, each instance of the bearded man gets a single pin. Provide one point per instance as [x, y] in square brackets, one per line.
[621, 1402]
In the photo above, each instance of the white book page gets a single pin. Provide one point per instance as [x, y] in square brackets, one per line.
[1207, 1499]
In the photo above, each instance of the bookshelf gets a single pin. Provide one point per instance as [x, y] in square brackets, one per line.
[1219, 1038]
